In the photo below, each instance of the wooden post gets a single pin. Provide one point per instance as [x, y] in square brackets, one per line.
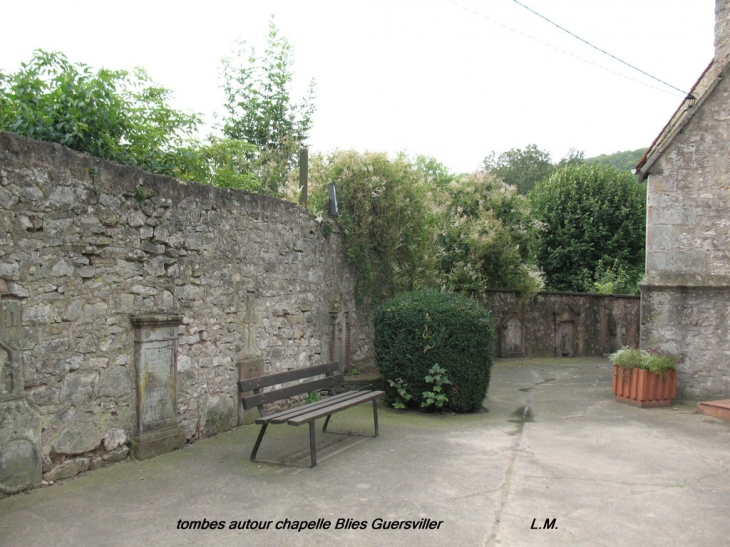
[303, 175]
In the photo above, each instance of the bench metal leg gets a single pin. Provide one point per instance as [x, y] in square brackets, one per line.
[258, 441]
[312, 444]
[375, 415]
[327, 421]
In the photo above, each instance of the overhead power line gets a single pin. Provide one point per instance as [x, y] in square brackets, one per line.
[684, 94]
[528, 8]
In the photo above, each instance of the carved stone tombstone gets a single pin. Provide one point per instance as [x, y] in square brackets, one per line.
[565, 333]
[511, 337]
[340, 335]
[250, 363]
[155, 357]
[20, 426]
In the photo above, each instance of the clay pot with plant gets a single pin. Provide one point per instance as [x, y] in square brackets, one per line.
[644, 378]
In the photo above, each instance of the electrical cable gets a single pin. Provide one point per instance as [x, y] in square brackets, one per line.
[598, 48]
[566, 52]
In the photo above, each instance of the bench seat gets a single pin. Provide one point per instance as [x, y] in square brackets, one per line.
[307, 413]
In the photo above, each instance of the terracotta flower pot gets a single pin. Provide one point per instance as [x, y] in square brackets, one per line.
[642, 388]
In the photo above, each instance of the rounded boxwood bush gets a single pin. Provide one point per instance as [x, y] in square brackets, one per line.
[417, 330]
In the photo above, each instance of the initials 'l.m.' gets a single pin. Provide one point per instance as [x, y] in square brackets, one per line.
[548, 525]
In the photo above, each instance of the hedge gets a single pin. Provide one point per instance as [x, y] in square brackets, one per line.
[414, 331]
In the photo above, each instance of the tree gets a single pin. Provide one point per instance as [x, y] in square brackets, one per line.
[594, 218]
[224, 163]
[520, 168]
[436, 173]
[385, 214]
[625, 160]
[261, 112]
[109, 113]
[487, 237]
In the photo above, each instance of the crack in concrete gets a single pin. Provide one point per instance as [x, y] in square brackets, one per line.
[585, 411]
[491, 539]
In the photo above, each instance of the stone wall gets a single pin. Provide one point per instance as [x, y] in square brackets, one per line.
[561, 324]
[686, 291]
[86, 245]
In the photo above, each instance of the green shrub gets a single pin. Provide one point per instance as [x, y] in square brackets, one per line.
[418, 330]
[656, 363]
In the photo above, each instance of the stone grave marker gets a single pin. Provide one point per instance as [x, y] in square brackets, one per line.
[155, 357]
[250, 363]
[20, 425]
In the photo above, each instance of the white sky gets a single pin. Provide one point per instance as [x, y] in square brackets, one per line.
[424, 77]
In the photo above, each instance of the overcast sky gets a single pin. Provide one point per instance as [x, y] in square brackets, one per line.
[425, 77]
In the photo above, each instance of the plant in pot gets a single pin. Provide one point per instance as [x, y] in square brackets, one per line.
[642, 378]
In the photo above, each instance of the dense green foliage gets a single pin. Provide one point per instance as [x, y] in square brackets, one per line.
[520, 168]
[261, 112]
[625, 161]
[109, 113]
[656, 363]
[408, 224]
[385, 216]
[486, 237]
[594, 218]
[411, 225]
[224, 163]
[416, 331]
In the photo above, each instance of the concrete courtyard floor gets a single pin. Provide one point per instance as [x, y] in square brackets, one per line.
[551, 444]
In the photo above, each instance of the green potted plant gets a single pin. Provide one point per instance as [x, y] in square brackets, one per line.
[642, 378]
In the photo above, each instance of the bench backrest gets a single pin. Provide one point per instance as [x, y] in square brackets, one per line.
[333, 377]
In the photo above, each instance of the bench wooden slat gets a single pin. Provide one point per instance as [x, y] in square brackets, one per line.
[328, 375]
[331, 409]
[284, 415]
[250, 401]
[287, 376]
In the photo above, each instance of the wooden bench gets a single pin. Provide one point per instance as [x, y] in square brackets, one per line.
[306, 413]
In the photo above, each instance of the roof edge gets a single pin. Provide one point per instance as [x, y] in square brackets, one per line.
[681, 118]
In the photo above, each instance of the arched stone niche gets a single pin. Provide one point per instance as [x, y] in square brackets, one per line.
[511, 337]
[565, 332]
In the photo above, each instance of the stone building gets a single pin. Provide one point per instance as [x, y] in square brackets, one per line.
[685, 306]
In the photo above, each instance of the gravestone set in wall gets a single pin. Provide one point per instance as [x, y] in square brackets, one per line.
[250, 363]
[20, 425]
[155, 356]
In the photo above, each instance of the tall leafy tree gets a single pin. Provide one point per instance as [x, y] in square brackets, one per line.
[625, 160]
[260, 109]
[386, 216]
[486, 237]
[111, 114]
[594, 219]
[521, 168]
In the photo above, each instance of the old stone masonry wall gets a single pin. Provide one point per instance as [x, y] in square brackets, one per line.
[686, 291]
[87, 245]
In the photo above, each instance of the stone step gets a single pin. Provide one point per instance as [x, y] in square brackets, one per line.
[716, 409]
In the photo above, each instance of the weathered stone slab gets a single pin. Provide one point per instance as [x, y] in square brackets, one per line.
[20, 456]
[155, 354]
[20, 425]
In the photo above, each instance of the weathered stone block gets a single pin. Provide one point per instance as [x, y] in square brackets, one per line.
[20, 454]
[78, 388]
[9, 271]
[78, 437]
[116, 383]
[67, 469]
